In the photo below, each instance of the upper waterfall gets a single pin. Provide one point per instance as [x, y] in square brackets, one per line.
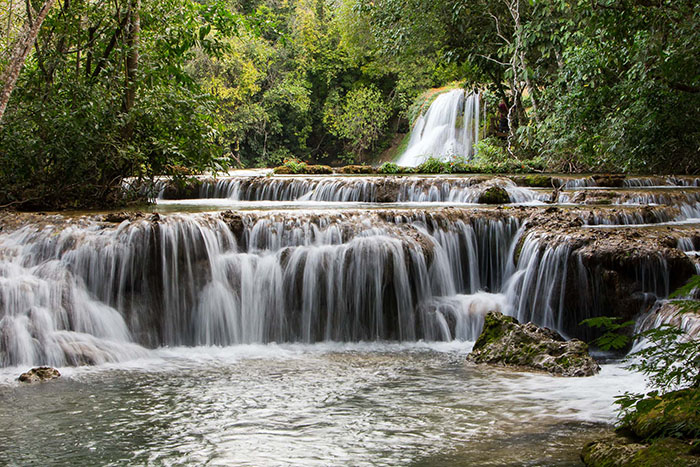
[449, 128]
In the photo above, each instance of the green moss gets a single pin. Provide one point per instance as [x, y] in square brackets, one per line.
[667, 451]
[676, 414]
[494, 327]
[357, 169]
[494, 195]
[542, 181]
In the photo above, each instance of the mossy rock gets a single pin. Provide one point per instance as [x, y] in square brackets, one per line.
[504, 341]
[357, 169]
[495, 325]
[282, 170]
[675, 414]
[494, 195]
[318, 170]
[534, 181]
[617, 450]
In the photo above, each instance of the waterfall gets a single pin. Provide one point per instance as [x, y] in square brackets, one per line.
[86, 292]
[450, 128]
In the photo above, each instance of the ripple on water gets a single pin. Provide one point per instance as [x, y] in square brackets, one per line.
[325, 404]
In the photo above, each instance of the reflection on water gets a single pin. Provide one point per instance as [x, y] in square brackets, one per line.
[324, 404]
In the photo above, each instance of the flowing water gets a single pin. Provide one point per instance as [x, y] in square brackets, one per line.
[324, 321]
[323, 404]
[449, 128]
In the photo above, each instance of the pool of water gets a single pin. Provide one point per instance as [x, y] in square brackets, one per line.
[322, 404]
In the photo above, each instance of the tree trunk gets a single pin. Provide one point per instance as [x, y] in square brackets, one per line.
[19, 55]
[132, 56]
[132, 64]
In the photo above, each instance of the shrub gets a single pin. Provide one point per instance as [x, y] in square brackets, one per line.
[433, 165]
[389, 168]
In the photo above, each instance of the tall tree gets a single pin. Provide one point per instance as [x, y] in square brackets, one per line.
[21, 50]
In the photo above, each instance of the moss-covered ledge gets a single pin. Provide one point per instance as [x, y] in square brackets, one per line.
[662, 431]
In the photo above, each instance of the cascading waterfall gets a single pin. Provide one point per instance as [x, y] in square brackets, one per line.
[92, 293]
[449, 128]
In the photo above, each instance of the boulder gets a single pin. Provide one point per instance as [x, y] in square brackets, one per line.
[39, 374]
[494, 195]
[504, 341]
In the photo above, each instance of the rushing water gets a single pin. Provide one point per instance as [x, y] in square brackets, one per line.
[449, 128]
[324, 322]
[93, 293]
[324, 404]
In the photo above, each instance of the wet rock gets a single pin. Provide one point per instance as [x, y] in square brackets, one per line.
[593, 197]
[388, 191]
[609, 180]
[182, 189]
[235, 223]
[119, 217]
[39, 374]
[504, 341]
[357, 169]
[494, 195]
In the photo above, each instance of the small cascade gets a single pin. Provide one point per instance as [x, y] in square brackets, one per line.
[654, 215]
[363, 189]
[663, 313]
[93, 295]
[450, 128]
[558, 288]
[90, 292]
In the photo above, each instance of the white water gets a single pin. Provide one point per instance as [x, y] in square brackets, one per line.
[450, 128]
[379, 404]
[94, 294]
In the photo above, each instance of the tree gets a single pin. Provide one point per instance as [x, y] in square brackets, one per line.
[359, 119]
[21, 50]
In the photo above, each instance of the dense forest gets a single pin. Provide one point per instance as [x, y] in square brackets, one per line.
[100, 91]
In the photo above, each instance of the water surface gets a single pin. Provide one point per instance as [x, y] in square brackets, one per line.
[322, 404]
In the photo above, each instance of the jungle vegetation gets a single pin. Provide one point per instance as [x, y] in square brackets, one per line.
[104, 90]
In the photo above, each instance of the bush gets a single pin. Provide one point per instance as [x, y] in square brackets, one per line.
[433, 165]
[389, 168]
[295, 166]
[490, 150]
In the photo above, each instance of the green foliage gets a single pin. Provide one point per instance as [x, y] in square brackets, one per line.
[490, 151]
[359, 119]
[614, 337]
[72, 132]
[389, 168]
[688, 289]
[296, 166]
[434, 165]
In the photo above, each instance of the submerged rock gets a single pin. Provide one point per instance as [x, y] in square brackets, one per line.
[39, 374]
[504, 341]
